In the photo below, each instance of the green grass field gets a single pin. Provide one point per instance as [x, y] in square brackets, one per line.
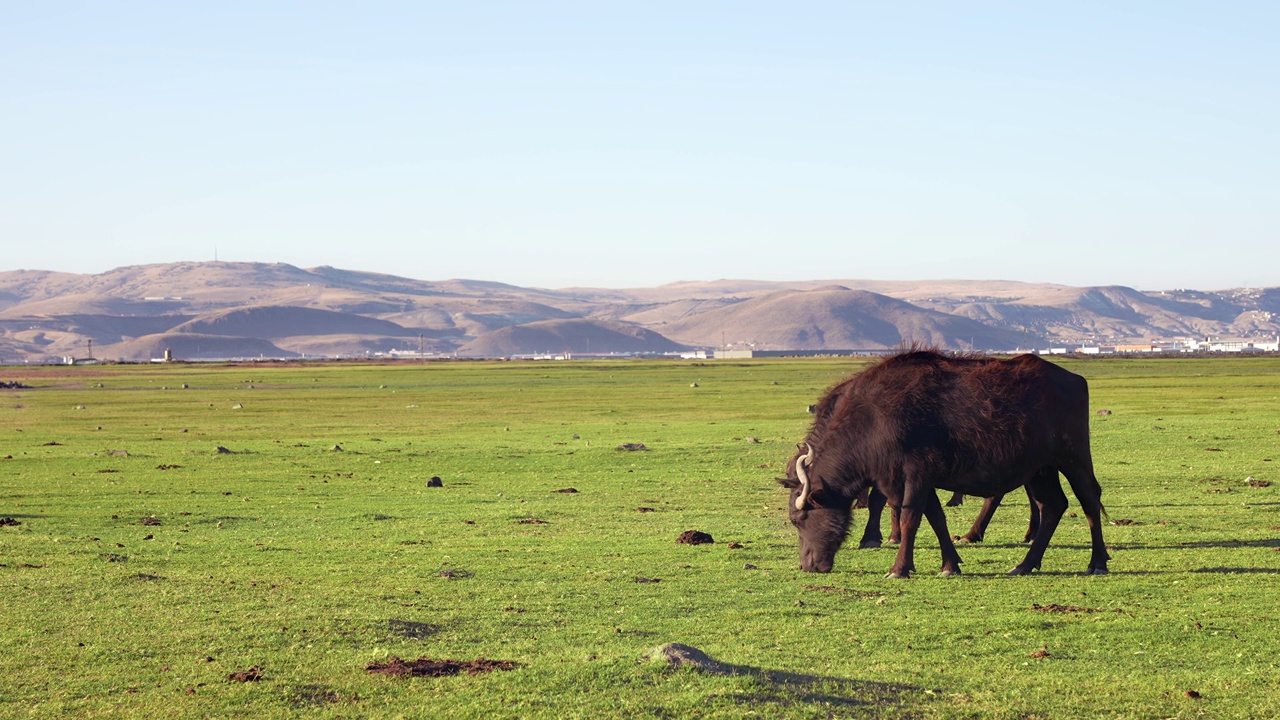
[148, 566]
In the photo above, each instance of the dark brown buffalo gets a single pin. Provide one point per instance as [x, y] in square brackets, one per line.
[919, 421]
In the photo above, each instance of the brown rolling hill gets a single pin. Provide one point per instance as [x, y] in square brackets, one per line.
[1092, 314]
[46, 316]
[472, 316]
[287, 321]
[837, 318]
[574, 336]
[355, 345]
[192, 346]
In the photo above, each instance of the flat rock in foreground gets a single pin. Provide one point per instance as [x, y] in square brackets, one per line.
[680, 655]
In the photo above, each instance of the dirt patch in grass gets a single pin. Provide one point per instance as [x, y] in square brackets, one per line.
[1125, 522]
[694, 537]
[1054, 608]
[842, 591]
[412, 630]
[253, 674]
[313, 695]
[823, 588]
[567, 490]
[531, 521]
[425, 667]
[10, 522]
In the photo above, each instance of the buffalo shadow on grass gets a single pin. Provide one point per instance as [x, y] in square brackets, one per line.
[412, 630]
[1238, 570]
[784, 687]
[1202, 544]
[1200, 505]
[1127, 546]
[228, 518]
[314, 695]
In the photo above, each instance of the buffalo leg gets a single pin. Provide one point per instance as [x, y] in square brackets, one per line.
[989, 506]
[909, 522]
[871, 537]
[979, 529]
[1033, 522]
[1084, 484]
[938, 521]
[1046, 493]
[957, 499]
[915, 502]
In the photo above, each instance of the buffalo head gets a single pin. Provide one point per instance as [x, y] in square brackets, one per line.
[821, 517]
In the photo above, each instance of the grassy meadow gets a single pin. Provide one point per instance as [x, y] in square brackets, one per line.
[148, 565]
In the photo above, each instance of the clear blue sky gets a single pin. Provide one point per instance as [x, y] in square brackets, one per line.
[631, 144]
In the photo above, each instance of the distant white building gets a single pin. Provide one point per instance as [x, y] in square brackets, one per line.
[1236, 345]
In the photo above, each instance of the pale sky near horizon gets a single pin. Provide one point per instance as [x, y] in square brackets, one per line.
[627, 145]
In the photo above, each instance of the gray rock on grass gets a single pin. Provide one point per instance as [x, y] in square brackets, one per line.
[680, 655]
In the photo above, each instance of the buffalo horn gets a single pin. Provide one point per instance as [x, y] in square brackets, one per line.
[803, 497]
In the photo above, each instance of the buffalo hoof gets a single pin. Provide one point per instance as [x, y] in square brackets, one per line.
[950, 572]
[898, 575]
[970, 538]
[1020, 570]
[1097, 571]
[868, 544]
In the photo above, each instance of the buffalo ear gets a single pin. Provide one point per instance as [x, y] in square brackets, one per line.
[787, 482]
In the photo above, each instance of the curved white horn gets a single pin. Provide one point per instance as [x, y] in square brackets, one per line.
[806, 459]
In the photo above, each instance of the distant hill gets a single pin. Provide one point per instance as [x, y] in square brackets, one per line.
[285, 321]
[192, 346]
[574, 336]
[216, 309]
[836, 317]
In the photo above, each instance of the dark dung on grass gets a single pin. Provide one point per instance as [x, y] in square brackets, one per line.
[253, 674]
[694, 537]
[425, 667]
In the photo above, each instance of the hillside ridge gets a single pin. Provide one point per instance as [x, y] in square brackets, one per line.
[245, 309]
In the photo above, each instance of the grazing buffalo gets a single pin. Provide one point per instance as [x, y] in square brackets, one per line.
[919, 421]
